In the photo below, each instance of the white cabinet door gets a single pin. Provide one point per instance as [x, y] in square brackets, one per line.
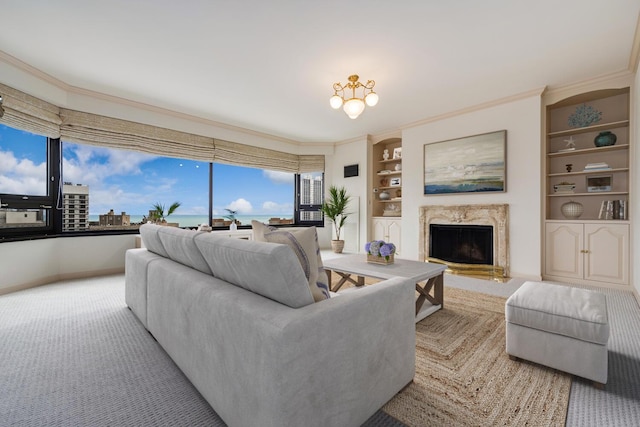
[590, 251]
[389, 230]
[379, 229]
[563, 246]
[394, 234]
[607, 253]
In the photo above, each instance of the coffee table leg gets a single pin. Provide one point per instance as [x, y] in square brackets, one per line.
[437, 284]
[344, 277]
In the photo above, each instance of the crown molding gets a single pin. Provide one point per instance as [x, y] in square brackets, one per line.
[494, 103]
[34, 72]
[74, 90]
[617, 79]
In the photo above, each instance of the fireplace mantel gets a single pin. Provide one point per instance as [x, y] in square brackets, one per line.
[496, 216]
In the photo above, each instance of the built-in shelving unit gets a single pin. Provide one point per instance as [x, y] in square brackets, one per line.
[569, 150]
[386, 206]
[387, 178]
[593, 247]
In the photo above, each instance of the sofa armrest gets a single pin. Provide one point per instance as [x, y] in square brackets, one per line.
[135, 278]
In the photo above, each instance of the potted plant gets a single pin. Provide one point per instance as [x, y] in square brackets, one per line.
[157, 214]
[335, 209]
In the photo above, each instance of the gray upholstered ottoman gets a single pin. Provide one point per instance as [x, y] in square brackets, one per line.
[561, 327]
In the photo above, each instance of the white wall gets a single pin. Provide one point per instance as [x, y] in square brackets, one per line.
[35, 262]
[522, 120]
[351, 153]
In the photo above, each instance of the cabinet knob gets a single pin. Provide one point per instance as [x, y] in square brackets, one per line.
[584, 251]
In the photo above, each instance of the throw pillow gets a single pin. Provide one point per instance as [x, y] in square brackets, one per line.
[259, 229]
[304, 243]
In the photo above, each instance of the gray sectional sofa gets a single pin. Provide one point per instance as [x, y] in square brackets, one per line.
[238, 318]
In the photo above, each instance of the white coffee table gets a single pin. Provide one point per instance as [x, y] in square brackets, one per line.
[428, 277]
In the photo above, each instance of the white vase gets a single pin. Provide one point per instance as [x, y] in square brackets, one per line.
[233, 226]
[572, 210]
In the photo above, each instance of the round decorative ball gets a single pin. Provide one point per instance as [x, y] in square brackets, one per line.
[384, 195]
[572, 210]
[605, 139]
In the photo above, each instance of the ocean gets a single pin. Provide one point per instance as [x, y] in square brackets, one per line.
[196, 220]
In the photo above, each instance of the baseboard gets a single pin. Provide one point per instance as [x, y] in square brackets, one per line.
[92, 273]
[637, 295]
[58, 277]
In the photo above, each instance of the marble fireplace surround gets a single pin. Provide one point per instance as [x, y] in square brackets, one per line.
[496, 216]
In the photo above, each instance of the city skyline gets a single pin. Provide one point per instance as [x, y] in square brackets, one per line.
[132, 182]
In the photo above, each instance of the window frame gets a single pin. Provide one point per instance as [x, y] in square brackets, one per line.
[300, 207]
[46, 202]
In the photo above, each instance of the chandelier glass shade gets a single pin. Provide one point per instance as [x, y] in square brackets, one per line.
[353, 106]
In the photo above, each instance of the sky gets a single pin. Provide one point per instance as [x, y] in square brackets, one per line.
[132, 182]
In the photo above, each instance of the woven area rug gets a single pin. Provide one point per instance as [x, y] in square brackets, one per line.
[465, 378]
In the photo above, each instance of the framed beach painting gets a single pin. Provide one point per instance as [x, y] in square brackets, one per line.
[474, 164]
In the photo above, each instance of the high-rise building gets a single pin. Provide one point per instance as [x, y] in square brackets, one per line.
[311, 194]
[75, 207]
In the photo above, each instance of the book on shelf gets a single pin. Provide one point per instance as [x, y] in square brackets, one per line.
[596, 167]
[613, 209]
[564, 150]
[599, 165]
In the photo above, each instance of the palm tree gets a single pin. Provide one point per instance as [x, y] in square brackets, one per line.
[158, 215]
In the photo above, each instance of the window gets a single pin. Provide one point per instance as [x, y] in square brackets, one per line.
[112, 189]
[48, 186]
[310, 195]
[254, 194]
[25, 192]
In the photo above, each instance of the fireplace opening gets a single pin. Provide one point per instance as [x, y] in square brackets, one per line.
[462, 244]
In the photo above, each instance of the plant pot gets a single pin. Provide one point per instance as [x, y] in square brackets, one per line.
[337, 246]
[380, 259]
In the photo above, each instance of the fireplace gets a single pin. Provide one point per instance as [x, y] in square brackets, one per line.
[462, 244]
[469, 239]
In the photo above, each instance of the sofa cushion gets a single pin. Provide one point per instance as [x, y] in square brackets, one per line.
[151, 239]
[267, 269]
[259, 229]
[304, 243]
[180, 246]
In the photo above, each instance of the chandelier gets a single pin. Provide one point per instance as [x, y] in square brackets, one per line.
[353, 106]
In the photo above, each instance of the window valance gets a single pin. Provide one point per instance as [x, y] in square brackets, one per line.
[26, 112]
[93, 129]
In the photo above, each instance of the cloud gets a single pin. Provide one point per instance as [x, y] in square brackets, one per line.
[22, 176]
[90, 165]
[241, 205]
[278, 177]
[273, 207]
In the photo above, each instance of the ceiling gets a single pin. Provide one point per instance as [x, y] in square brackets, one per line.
[269, 66]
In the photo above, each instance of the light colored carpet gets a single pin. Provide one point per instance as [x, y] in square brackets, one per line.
[464, 377]
[72, 354]
[619, 403]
